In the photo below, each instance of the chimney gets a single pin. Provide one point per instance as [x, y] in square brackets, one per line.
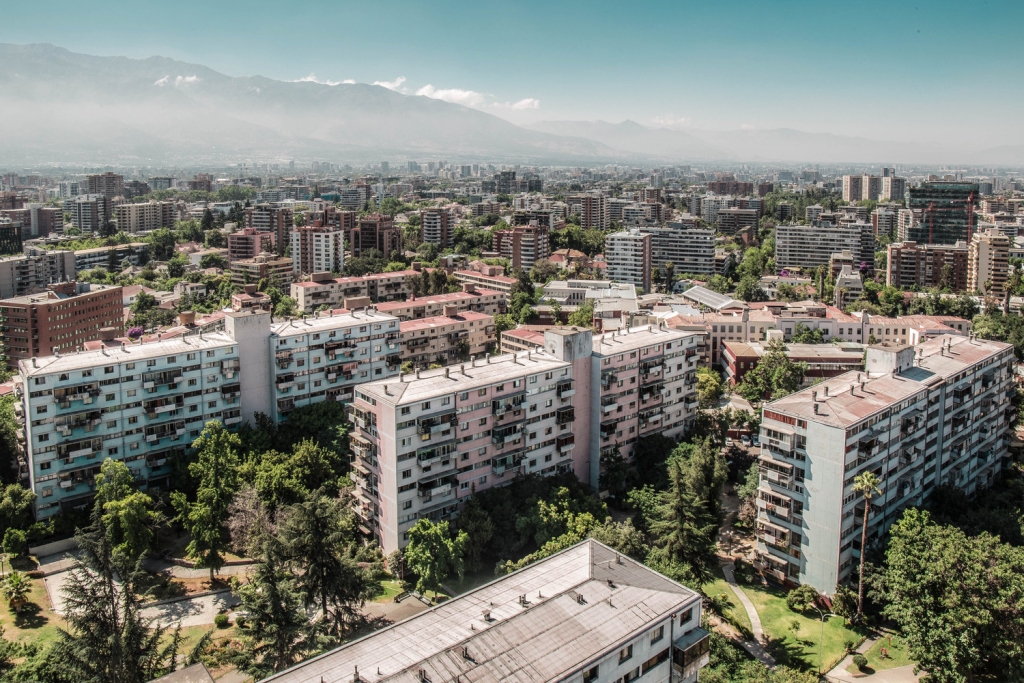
[469, 288]
[814, 398]
[446, 373]
[122, 346]
[450, 310]
[851, 389]
[187, 318]
[815, 408]
[826, 391]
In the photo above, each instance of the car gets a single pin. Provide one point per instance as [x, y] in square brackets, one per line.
[745, 440]
[756, 440]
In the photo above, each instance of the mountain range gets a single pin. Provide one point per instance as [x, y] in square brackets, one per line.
[65, 107]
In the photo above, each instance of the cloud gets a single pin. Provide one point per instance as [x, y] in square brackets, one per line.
[161, 82]
[747, 126]
[311, 78]
[672, 121]
[395, 85]
[186, 80]
[474, 99]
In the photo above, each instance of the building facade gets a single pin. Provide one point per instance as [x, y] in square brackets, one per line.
[688, 249]
[947, 212]
[144, 217]
[447, 339]
[32, 272]
[317, 250]
[249, 243]
[269, 266]
[470, 299]
[108, 184]
[629, 254]
[269, 218]
[810, 246]
[923, 266]
[322, 289]
[523, 245]
[437, 226]
[594, 212]
[988, 262]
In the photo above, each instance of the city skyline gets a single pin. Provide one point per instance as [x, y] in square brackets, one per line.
[740, 71]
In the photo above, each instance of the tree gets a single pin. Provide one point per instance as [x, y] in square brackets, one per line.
[719, 284]
[749, 289]
[276, 633]
[125, 513]
[16, 586]
[316, 534]
[479, 529]
[207, 222]
[213, 261]
[709, 387]
[583, 316]
[866, 484]
[16, 503]
[683, 529]
[433, 554]
[956, 599]
[543, 271]
[15, 543]
[216, 469]
[774, 376]
[802, 598]
[162, 242]
[803, 334]
[614, 475]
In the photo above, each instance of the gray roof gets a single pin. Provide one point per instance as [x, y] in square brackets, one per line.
[711, 299]
[548, 638]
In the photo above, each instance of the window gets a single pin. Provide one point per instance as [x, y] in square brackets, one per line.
[43, 438]
[172, 359]
[133, 419]
[39, 381]
[109, 370]
[210, 354]
[425, 406]
[405, 410]
[112, 424]
[482, 480]
[631, 675]
[625, 654]
[406, 474]
[151, 363]
[482, 392]
[112, 451]
[41, 409]
[407, 505]
[483, 421]
[685, 617]
[464, 396]
[87, 373]
[446, 401]
[131, 392]
[109, 397]
[590, 674]
[657, 634]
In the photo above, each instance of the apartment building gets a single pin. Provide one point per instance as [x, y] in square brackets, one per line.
[711, 204]
[594, 211]
[108, 184]
[893, 188]
[918, 417]
[446, 339]
[536, 625]
[264, 265]
[88, 212]
[317, 250]
[552, 219]
[106, 257]
[853, 190]
[730, 187]
[323, 290]
[62, 318]
[629, 254]
[488, 278]
[470, 299]
[144, 217]
[248, 243]
[988, 262]
[31, 272]
[437, 226]
[267, 217]
[884, 222]
[423, 442]
[375, 231]
[735, 219]
[523, 245]
[810, 246]
[326, 357]
[688, 249]
[643, 382]
[35, 220]
[924, 266]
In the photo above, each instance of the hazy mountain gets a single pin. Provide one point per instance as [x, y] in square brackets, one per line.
[59, 105]
[660, 143]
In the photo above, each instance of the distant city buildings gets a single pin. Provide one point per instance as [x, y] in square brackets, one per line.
[947, 212]
[108, 184]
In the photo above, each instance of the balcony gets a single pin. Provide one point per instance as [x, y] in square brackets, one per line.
[152, 380]
[565, 416]
[506, 434]
[87, 420]
[436, 424]
[566, 389]
[79, 448]
[564, 444]
[229, 367]
[427, 456]
[690, 653]
[503, 405]
[82, 392]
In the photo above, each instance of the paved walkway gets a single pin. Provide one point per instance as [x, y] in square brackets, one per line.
[754, 647]
[901, 674]
[191, 611]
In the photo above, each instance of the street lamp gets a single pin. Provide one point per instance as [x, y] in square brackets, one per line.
[821, 635]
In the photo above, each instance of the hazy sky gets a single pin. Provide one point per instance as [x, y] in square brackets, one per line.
[916, 70]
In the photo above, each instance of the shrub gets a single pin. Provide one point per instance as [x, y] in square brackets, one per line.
[221, 621]
[240, 621]
[860, 661]
[15, 542]
[848, 644]
[801, 598]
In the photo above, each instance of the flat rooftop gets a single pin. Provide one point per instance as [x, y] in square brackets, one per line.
[579, 603]
[612, 343]
[330, 322]
[356, 280]
[439, 320]
[435, 299]
[848, 404]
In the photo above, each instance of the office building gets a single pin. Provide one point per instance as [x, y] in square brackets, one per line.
[317, 250]
[536, 625]
[810, 246]
[161, 183]
[249, 243]
[947, 212]
[375, 231]
[270, 218]
[523, 245]
[10, 237]
[688, 249]
[923, 266]
[262, 266]
[437, 226]
[920, 417]
[324, 290]
[447, 339]
[629, 254]
[988, 262]
[202, 182]
[823, 360]
[108, 184]
[144, 217]
[594, 211]
[470, 299]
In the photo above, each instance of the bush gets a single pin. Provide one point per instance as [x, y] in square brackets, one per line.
[15, 543]
[848, 644]
[240, 621]
[860, 661]
[221, 621]
[802, 598]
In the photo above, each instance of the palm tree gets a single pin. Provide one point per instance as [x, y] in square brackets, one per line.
[16, 587]
[866, 484]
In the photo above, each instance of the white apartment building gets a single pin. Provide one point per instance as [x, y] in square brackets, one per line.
[988, 262]
[629, 256]
[437, 226]
[810, 246]
[918, 417]
[317, 250]
[144, 217]
[689, 249]
[27, 272]
[537, 625]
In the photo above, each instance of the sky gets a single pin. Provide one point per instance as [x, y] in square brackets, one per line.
[918, 71]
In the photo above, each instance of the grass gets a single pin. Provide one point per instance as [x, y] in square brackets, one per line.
[799, 647]
[895, 647]
[36, 623]
[732, 609]
[391, 589]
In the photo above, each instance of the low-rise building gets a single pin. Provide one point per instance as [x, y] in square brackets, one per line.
[536, 625]
[925, 266]
[491, 277]
[919, 417]
[823, 360]
[264, 265]
[324, 290]
[470, 299]
[446, 339]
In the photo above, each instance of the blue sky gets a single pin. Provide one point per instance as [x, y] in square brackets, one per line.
[888, 70]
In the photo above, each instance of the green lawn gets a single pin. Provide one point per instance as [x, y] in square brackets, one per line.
[391, 589]
[36, 623]
[733, 611]
[800, 646]
[896, 649]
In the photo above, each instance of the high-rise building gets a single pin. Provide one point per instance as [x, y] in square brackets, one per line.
[68, 189]
[89, 212]
[884, 222]
[594, 211]
[853, 188]
[437, 226]
[249, 243]
[733, 220]
[893, 188]
[924, 266]
[947, 211]
[413, 167]
[269, 218]
[375, 231]
[262, 266]
[533, 626]
[988, 262]
[919, 417]
[629, 254]
[687, 248]
[523, 245]
[108, 184]
[161, 183]
[810, 246]
[871, 187]
[202, 182]
[385, 168]
[317, 249]
[32, 272]
[60, 319]
[144, 217]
